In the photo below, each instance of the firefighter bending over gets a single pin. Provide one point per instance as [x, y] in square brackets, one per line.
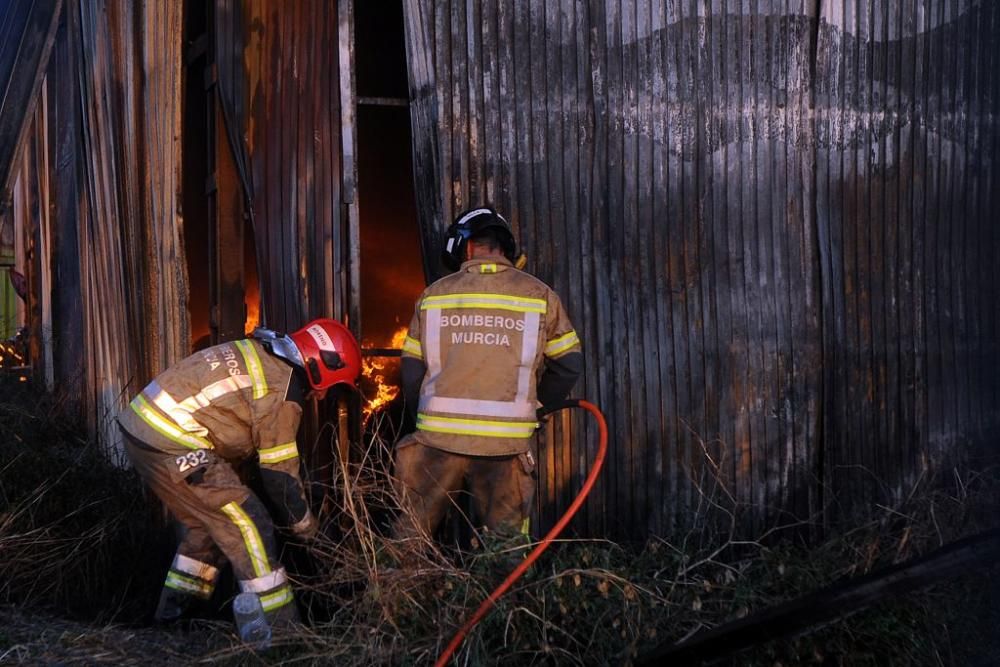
[471, 360]
[226, 404]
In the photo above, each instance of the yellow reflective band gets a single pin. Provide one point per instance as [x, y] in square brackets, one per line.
[279, 598]
[480, 427]
[495, 301]
[251, 538]
[561, 344]
[179, 582]
[168, 430]
[526, 527]
[178, 414]
[487, 268]
[254, 368]
[412, 346]
[279, 453]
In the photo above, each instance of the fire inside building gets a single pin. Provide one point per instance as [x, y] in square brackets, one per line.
[774, 224]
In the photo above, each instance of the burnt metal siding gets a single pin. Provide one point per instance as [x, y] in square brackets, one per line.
[101, 221]
[30, 220]
[771, 222]
[907, 99]
[44, 247]
[133, 276]
[285, 99]
[27, 30]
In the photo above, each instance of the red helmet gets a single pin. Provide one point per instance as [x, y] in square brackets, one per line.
[330, 354]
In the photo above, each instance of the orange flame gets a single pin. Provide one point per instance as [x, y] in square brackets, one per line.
[375, 370]
[9, 355]
[253, 312]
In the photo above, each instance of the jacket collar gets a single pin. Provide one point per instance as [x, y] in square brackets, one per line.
[486, 265]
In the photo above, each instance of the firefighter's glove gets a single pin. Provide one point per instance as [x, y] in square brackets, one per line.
[306, 529]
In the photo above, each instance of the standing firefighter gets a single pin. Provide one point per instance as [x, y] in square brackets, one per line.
[217, 407]
[471, 363]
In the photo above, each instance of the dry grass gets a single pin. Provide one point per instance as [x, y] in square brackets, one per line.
[75, 531]
[596, 602]
[67, 528]
[30, 637]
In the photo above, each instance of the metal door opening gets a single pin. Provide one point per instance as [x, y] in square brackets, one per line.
[392, 273]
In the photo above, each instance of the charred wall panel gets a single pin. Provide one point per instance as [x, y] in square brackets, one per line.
[286, 102]
[906, 116]
[45, 253]
[27, 30]
[770, 222]
[102, 225]
[133, 278]
[64, 133]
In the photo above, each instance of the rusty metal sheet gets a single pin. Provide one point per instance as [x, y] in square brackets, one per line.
[290, 98]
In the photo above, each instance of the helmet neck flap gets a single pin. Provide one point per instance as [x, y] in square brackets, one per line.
[279, 345]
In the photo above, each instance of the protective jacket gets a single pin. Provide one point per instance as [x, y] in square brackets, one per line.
[483, 333]
[229, 399]
[182, 431]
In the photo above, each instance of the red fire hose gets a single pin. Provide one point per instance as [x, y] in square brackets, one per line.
[595, 470]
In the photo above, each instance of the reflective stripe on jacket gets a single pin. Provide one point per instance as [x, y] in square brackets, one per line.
[230, 398]
[483, 332]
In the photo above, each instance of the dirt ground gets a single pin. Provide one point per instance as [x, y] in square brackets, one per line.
[33, 638]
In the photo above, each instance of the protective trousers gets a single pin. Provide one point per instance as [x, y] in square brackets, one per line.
[502, 488]
[222, 520]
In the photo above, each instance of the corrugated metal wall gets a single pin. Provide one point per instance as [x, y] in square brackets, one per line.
[101, 219]
[27, 31]
[133, 276]
[285, 97]
[906, 195]
[33, 223]
[772, 222]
